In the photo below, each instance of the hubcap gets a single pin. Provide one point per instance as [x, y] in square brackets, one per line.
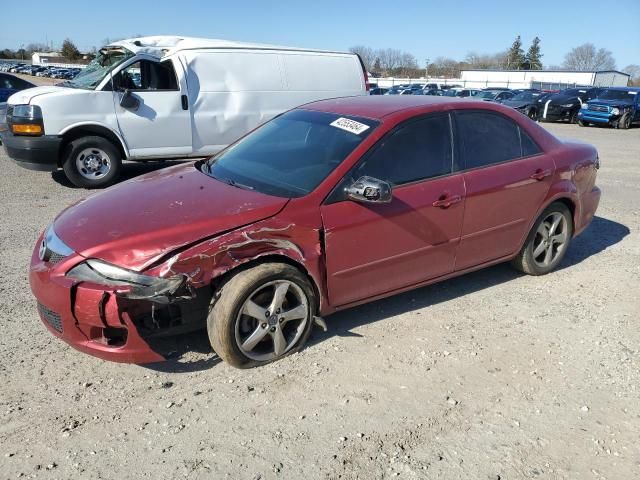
[550, 240]
[272, 320]
[93, 163]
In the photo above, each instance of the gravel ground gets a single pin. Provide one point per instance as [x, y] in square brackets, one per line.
[493, 375]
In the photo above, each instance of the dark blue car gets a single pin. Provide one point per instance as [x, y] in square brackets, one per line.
[618, 107]
[10, 84]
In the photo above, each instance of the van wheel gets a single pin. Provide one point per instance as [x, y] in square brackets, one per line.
[261, 315]
[547, 242]
[92, 162]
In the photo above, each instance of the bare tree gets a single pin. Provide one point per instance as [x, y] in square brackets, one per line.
[367, 55]
[390, 58]
[444, 67]
[587, 57]
[634, 71]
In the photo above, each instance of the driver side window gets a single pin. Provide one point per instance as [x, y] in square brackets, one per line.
[145, 75]
[419, 150]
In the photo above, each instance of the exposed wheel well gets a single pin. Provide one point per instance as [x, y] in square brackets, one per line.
[571, 206]
[277, 258]
[90, 130]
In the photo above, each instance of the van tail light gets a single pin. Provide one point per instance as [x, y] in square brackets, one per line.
[364, 72]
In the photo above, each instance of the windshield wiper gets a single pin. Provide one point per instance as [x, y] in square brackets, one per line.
[233, 183]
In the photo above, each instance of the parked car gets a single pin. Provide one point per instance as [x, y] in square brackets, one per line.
[565, 105]
[526, 102]
[495, 95]
[324, 207]
[461, 92]
[192, 99]
[10, 84]
[378, 91]
[617, 107]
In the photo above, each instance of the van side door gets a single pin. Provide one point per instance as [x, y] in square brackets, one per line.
[154, 118]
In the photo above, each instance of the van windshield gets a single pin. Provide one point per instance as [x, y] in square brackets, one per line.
[290, 155]
[107, 59]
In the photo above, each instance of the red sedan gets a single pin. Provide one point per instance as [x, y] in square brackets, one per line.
[329, 205]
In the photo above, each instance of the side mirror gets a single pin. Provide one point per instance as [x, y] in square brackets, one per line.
[369, 190]
[129, 101]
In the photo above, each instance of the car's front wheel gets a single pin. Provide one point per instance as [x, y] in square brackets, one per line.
[547, 241]
[625, 121]
[92, 162]
[261, 315]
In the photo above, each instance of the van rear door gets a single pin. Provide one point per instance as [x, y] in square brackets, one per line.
[159, 122]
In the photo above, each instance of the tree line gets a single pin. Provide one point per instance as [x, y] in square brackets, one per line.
[68, 50]
[391, 62]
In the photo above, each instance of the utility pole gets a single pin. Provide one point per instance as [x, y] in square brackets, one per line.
[426, 68]
[22, 51]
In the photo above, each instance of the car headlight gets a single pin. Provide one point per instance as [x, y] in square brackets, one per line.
[567, 105]
[615, 111]
[139, 286]
[584, 106]
[25, 120]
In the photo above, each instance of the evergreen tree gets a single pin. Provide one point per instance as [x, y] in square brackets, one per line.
[69, 50]
[533, 56]
[515, 58]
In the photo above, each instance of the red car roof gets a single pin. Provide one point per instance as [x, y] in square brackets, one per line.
[378, 106]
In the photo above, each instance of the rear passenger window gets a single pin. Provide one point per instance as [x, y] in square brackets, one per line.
[529, 147]
[419, 150]
[487, 138]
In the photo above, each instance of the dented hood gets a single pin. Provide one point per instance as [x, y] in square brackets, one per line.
[139, 221]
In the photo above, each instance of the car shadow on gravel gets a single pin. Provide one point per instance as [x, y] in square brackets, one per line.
[129, 170]
[192, 352]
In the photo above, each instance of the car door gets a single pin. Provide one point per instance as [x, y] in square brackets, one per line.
[507, 176]
[372, 249]
[160, 125]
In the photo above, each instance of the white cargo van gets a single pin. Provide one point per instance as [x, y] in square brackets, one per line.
[167, 97]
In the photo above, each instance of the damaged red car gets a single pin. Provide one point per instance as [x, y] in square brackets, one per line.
[327, 206]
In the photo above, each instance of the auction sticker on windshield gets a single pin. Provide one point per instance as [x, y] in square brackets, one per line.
[349, 125]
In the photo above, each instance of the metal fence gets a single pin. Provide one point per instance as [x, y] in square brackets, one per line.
[389, 82]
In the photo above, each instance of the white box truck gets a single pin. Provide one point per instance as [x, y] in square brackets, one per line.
[167, 97]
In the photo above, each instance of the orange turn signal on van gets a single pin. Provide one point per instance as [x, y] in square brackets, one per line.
[27, 129]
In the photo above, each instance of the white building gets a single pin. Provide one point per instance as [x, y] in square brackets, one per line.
[543, 79]
[46, 58]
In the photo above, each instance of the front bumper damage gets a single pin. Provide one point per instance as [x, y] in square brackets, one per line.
[121, 324]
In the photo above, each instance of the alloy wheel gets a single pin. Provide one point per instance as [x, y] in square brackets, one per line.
[551, 239]
[272, 320]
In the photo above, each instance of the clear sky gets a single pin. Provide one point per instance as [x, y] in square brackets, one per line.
[426, 28]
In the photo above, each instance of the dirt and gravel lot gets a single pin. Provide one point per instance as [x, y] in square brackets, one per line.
[494, 375]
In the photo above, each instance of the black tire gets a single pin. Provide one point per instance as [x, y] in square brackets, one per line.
[573, 118]
[525, 261]
[581, 123]
[625, 121]
[229, 299]
[532, 114]
[106, 154]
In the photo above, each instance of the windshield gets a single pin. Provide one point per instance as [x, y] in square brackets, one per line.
[617, 95]
[451, 93]
[290, 155]
[107, 59]
[487, 94]
[525, 97]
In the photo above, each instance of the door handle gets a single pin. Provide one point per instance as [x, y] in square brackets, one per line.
[446, 201]
[540, 174]
[185, 102]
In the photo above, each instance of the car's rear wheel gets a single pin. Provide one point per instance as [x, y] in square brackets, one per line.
[261, 315]
[92, 162]
[547, 242]
[532, 114]
[581, 123]
[573, 118]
